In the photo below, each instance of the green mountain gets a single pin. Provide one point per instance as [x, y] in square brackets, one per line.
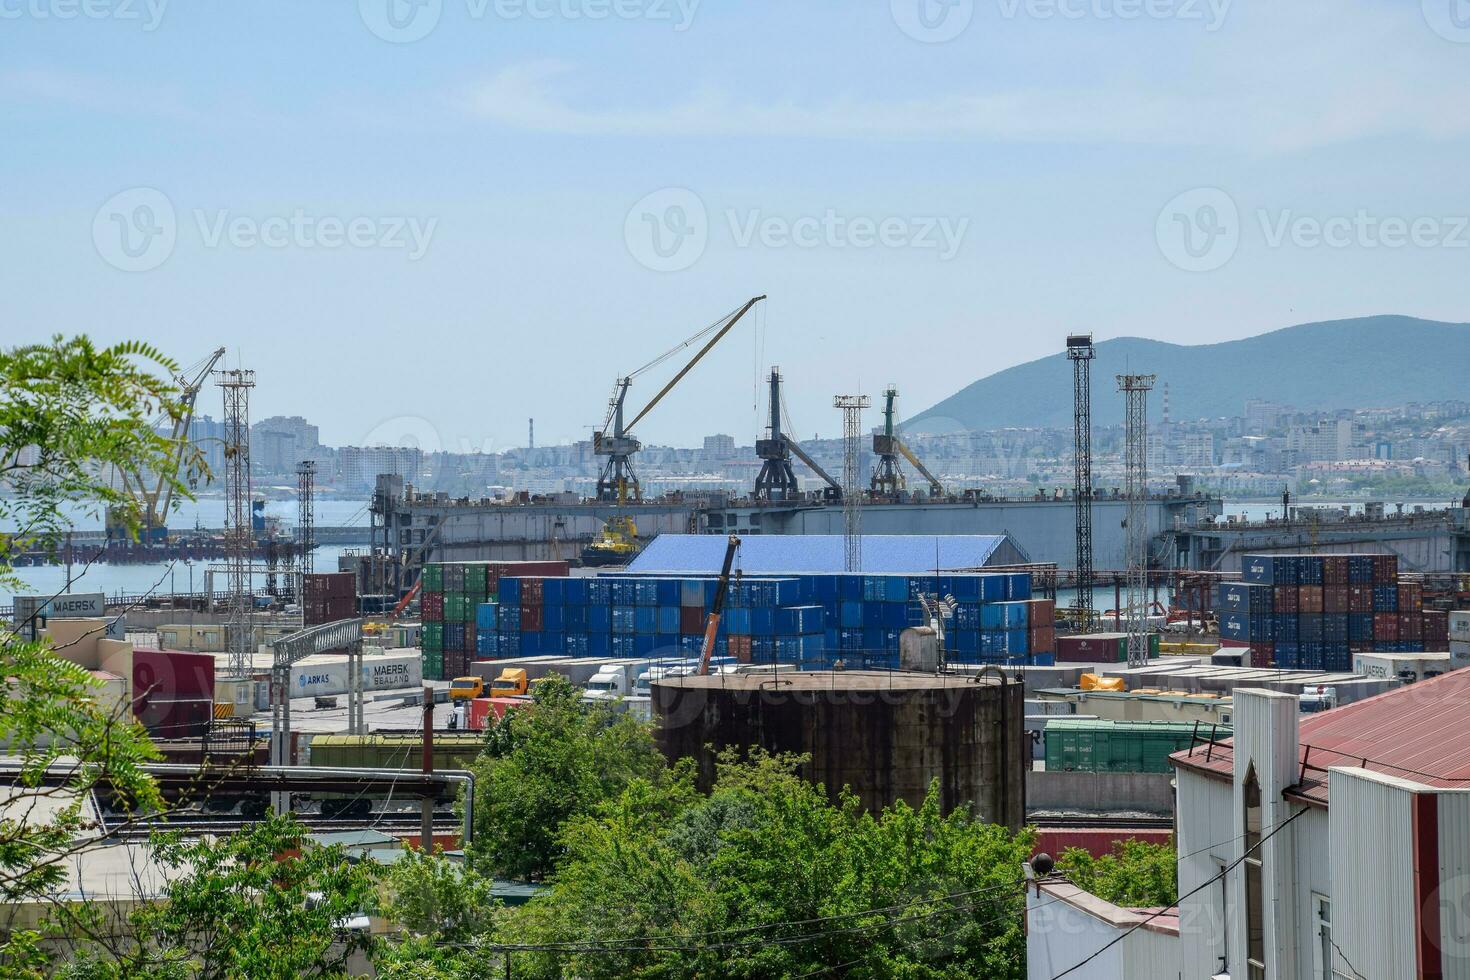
[1370, 361]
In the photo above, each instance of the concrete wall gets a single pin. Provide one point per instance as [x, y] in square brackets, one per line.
[1100, 792]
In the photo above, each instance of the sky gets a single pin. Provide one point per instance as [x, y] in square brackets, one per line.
[426, 221]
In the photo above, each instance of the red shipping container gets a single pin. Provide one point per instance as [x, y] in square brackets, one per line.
[531, 618]
[431, 607]
[1091, 649]
[532, 592]
[329, 585]
[1335, 570]
[1411, 597]
[1043, 612]
[1360, 598]
[1309, 598]
[1386, 627]
[1228, 644]
[1411, 627]
[1284, 599]
[173, 692]
[1044, 639]
[692, 620]
[1385, 569]
[1263, 655]
[740, 648]
[1335, 599]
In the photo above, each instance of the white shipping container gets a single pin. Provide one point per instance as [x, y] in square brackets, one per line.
[1409, 667]
[1459, 653]
[1460, 626]
[328, 678]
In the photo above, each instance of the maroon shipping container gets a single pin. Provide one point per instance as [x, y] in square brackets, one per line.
[1263, 655]
[691, 620]
[1043, 639]
[1334, 570]
[173, 693]
[1336, 598]
[1309, 598]
[1095, 648]
[314, 612]
[1411, 597]
[1386, 627]
[533, 592]
[1385, 569]
[431, 607]
[456, 664]
[1284, 599]
[1360, 646]
[1360, 598]
[740, 648]
[531, 618]
[329, 585]
[1411, 627]
[1228, 644]
[1436, 629]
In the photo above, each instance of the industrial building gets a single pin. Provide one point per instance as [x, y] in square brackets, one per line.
[1327, 845]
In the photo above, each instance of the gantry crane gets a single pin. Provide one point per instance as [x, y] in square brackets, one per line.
[888, 479]
[617, 480]
[776, 480]
[154, 492]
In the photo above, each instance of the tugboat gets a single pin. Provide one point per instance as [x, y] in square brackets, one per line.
[617, 544]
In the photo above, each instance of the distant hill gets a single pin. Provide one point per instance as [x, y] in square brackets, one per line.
[1370, 361]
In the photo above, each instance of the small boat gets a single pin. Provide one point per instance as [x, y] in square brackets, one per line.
[617, 544]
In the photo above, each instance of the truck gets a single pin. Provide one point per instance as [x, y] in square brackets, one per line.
[615, 679]
[466, 688]
[511, 683]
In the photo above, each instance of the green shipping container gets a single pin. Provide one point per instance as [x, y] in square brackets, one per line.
[433, 639]
[433, 577]
[455, 606]
[433, 666]
[1076, 745]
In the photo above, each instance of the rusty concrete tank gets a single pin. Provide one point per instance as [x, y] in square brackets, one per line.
[886, 735]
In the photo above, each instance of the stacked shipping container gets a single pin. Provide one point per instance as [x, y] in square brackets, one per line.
[810, 620]
[450, 597]
[1313, 612]
[328, 597]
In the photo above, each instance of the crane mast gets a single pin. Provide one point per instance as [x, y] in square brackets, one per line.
[888, 479]
[617, 481]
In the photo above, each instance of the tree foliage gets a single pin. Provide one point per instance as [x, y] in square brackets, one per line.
[1136, 874]
[263, 903]
[766, 878]
[72, 417]
[543, 765]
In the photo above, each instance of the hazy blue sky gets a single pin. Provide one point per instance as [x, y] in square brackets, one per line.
[437, 218]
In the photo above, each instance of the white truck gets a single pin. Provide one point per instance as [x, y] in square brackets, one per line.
[614, 679]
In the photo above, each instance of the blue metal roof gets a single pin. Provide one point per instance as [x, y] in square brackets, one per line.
[883, 554]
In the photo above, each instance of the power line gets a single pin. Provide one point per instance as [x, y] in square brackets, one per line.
[1175, 904]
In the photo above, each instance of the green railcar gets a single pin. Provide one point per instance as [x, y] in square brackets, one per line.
[1079, 745]
[451, 751]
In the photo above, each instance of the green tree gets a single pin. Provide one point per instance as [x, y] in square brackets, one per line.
[264, 903]
[1136, 874]
[545, 764]
[766, 878]
[72, 416]
[447, 913]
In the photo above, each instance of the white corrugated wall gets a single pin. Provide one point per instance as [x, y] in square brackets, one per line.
[1372, 856]
[1454, 883]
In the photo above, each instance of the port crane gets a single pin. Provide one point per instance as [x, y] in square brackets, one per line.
[888, 479]
[777, 481]
[614, 440]
[717, 608]
[154, 493]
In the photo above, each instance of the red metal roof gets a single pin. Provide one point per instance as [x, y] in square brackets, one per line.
[1419, 732]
